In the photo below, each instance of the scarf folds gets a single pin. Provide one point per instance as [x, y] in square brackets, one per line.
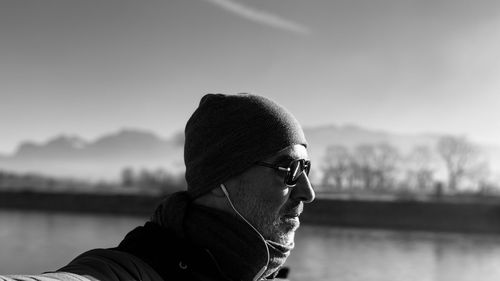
[237, 249]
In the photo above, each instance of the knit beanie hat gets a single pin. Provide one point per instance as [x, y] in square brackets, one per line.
[227, 134]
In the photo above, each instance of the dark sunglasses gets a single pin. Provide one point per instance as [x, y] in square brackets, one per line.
[293, 170]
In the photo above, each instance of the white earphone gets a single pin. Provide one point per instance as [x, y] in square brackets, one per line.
[223, 187]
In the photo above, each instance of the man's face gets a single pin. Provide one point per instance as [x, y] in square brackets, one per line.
[263, 198]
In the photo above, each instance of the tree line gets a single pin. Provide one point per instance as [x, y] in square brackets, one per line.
[383, 167]
[156, 181]
[452, 166]
[152, 179]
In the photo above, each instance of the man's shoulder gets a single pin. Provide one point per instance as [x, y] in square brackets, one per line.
[110, 265]
[96, 265]
[53, 276]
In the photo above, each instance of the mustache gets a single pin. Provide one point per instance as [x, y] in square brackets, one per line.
[293, 208]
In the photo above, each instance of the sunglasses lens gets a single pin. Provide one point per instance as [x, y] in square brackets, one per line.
[297, 167]
[308, 167]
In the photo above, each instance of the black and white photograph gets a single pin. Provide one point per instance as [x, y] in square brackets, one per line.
[163, 140]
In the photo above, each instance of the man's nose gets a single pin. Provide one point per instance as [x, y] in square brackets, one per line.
[303, 191]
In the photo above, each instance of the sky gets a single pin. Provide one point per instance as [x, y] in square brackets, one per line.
[92, 67]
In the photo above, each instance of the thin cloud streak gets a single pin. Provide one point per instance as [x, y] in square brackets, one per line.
[259, 16]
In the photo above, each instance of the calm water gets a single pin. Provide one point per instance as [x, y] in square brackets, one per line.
[36, 242]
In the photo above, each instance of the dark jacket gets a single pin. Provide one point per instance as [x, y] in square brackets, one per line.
[148, 253]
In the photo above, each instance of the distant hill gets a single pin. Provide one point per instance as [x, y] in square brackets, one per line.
[105, 157]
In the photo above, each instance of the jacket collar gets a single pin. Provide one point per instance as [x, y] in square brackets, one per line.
[238, 250]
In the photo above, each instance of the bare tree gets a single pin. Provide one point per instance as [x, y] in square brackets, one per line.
[387, 157]
[421, 168]
[336, 166]
[462, 160]
[376, 164]
[363, 166]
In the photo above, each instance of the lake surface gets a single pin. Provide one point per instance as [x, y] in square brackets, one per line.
[33, 242]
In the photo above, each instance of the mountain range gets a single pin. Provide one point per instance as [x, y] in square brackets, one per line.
[105, 157]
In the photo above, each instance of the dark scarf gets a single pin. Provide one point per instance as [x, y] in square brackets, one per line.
[237, 249]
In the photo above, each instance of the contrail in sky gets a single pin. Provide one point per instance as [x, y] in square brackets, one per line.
[259, 16]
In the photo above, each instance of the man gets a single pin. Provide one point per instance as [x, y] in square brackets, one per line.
[246, 171]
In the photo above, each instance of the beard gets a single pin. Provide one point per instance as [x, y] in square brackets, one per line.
[277, 225]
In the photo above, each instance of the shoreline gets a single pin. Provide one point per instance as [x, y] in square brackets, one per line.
[406, 215]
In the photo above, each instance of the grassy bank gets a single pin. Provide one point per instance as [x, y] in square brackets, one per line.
[443, 215]
[109, 203]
